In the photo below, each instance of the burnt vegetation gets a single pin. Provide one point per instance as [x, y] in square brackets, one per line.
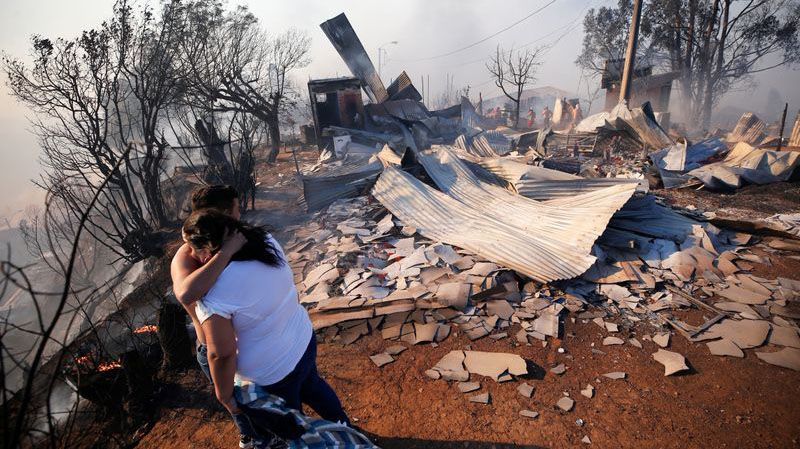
[191, 83]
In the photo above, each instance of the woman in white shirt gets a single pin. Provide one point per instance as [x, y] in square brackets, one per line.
[256, 329]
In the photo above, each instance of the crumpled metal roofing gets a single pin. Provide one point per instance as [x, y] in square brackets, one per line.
[747, 164]
[543, 184]
[544, 242]
[639, 122]
[641, 214]
[674, 162]
[349, 178]
[346, 42]
[748, 129]
[580, 225]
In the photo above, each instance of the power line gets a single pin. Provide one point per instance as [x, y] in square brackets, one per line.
[542, 8]
[568, 27]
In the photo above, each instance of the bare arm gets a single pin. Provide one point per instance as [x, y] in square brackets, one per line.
[221, 340]
[191, 280]
[182, 266]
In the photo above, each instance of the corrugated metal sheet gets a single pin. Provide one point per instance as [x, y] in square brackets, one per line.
[794, 140]
[644, 216]
[346, 179]
[440, 217]
[543, 184]
[464, 143]
[344, 39]
[748, 129]
[745, 164]
[544, 242]
[580, 226]
[403, 89]
[674, 162]
[476, 145]
[641, 124]
[402, 109]
[641, 214]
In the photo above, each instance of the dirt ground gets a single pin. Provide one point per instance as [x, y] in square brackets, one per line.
[750, 202]
[719, 403]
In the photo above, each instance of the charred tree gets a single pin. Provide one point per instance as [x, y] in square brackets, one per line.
[174, 338]
[513, 71]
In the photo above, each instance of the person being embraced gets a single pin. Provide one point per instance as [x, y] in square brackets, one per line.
[255, 329]
[192, 278]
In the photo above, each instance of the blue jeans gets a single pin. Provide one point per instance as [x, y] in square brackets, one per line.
[304, 386]
[241, 420]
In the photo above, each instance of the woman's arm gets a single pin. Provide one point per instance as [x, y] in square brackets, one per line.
[221, 341]
[191, 280]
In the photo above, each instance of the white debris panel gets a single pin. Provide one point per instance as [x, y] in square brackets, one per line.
[748, 164]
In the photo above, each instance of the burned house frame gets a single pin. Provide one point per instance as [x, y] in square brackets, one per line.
[336, 102]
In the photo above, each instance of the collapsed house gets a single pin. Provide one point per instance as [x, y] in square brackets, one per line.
[434, 221]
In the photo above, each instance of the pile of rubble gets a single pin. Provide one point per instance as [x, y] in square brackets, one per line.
[430, 224]
[361, 269]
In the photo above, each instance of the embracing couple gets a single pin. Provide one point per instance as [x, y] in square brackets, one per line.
[255, 341]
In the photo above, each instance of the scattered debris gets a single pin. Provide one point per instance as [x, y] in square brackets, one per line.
[559, 369]
[786, 357]
[615, 375]
[565, 404]
[480, 398]
[529, 414]
[381, 359]
[661, 339]
[525, 390]
[588, 391]
[672, 361]
[458, 365]
[723, 347]
[466, 387]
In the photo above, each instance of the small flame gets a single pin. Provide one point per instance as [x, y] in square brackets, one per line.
[108, 366]
[147, 329]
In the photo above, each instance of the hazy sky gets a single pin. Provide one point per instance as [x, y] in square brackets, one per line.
[422, 28]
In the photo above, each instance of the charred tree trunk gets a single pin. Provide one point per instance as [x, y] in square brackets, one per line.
[708, 101]
[274, 138]
[219, 169]
[174, 338]
[141, 386]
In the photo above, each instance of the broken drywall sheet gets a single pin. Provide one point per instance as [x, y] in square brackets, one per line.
[672, 361]
[458, 365]
[786, 357]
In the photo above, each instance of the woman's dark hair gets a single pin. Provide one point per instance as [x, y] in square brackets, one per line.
[216, 197]
[206, 229]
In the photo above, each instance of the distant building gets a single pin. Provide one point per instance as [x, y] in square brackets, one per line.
[646, 87]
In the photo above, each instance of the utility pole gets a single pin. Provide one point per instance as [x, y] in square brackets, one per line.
[630, 53]
[422, 83]
[783, 125]
[382, 53]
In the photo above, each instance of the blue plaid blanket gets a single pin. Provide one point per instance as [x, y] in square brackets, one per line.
[316, 433]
